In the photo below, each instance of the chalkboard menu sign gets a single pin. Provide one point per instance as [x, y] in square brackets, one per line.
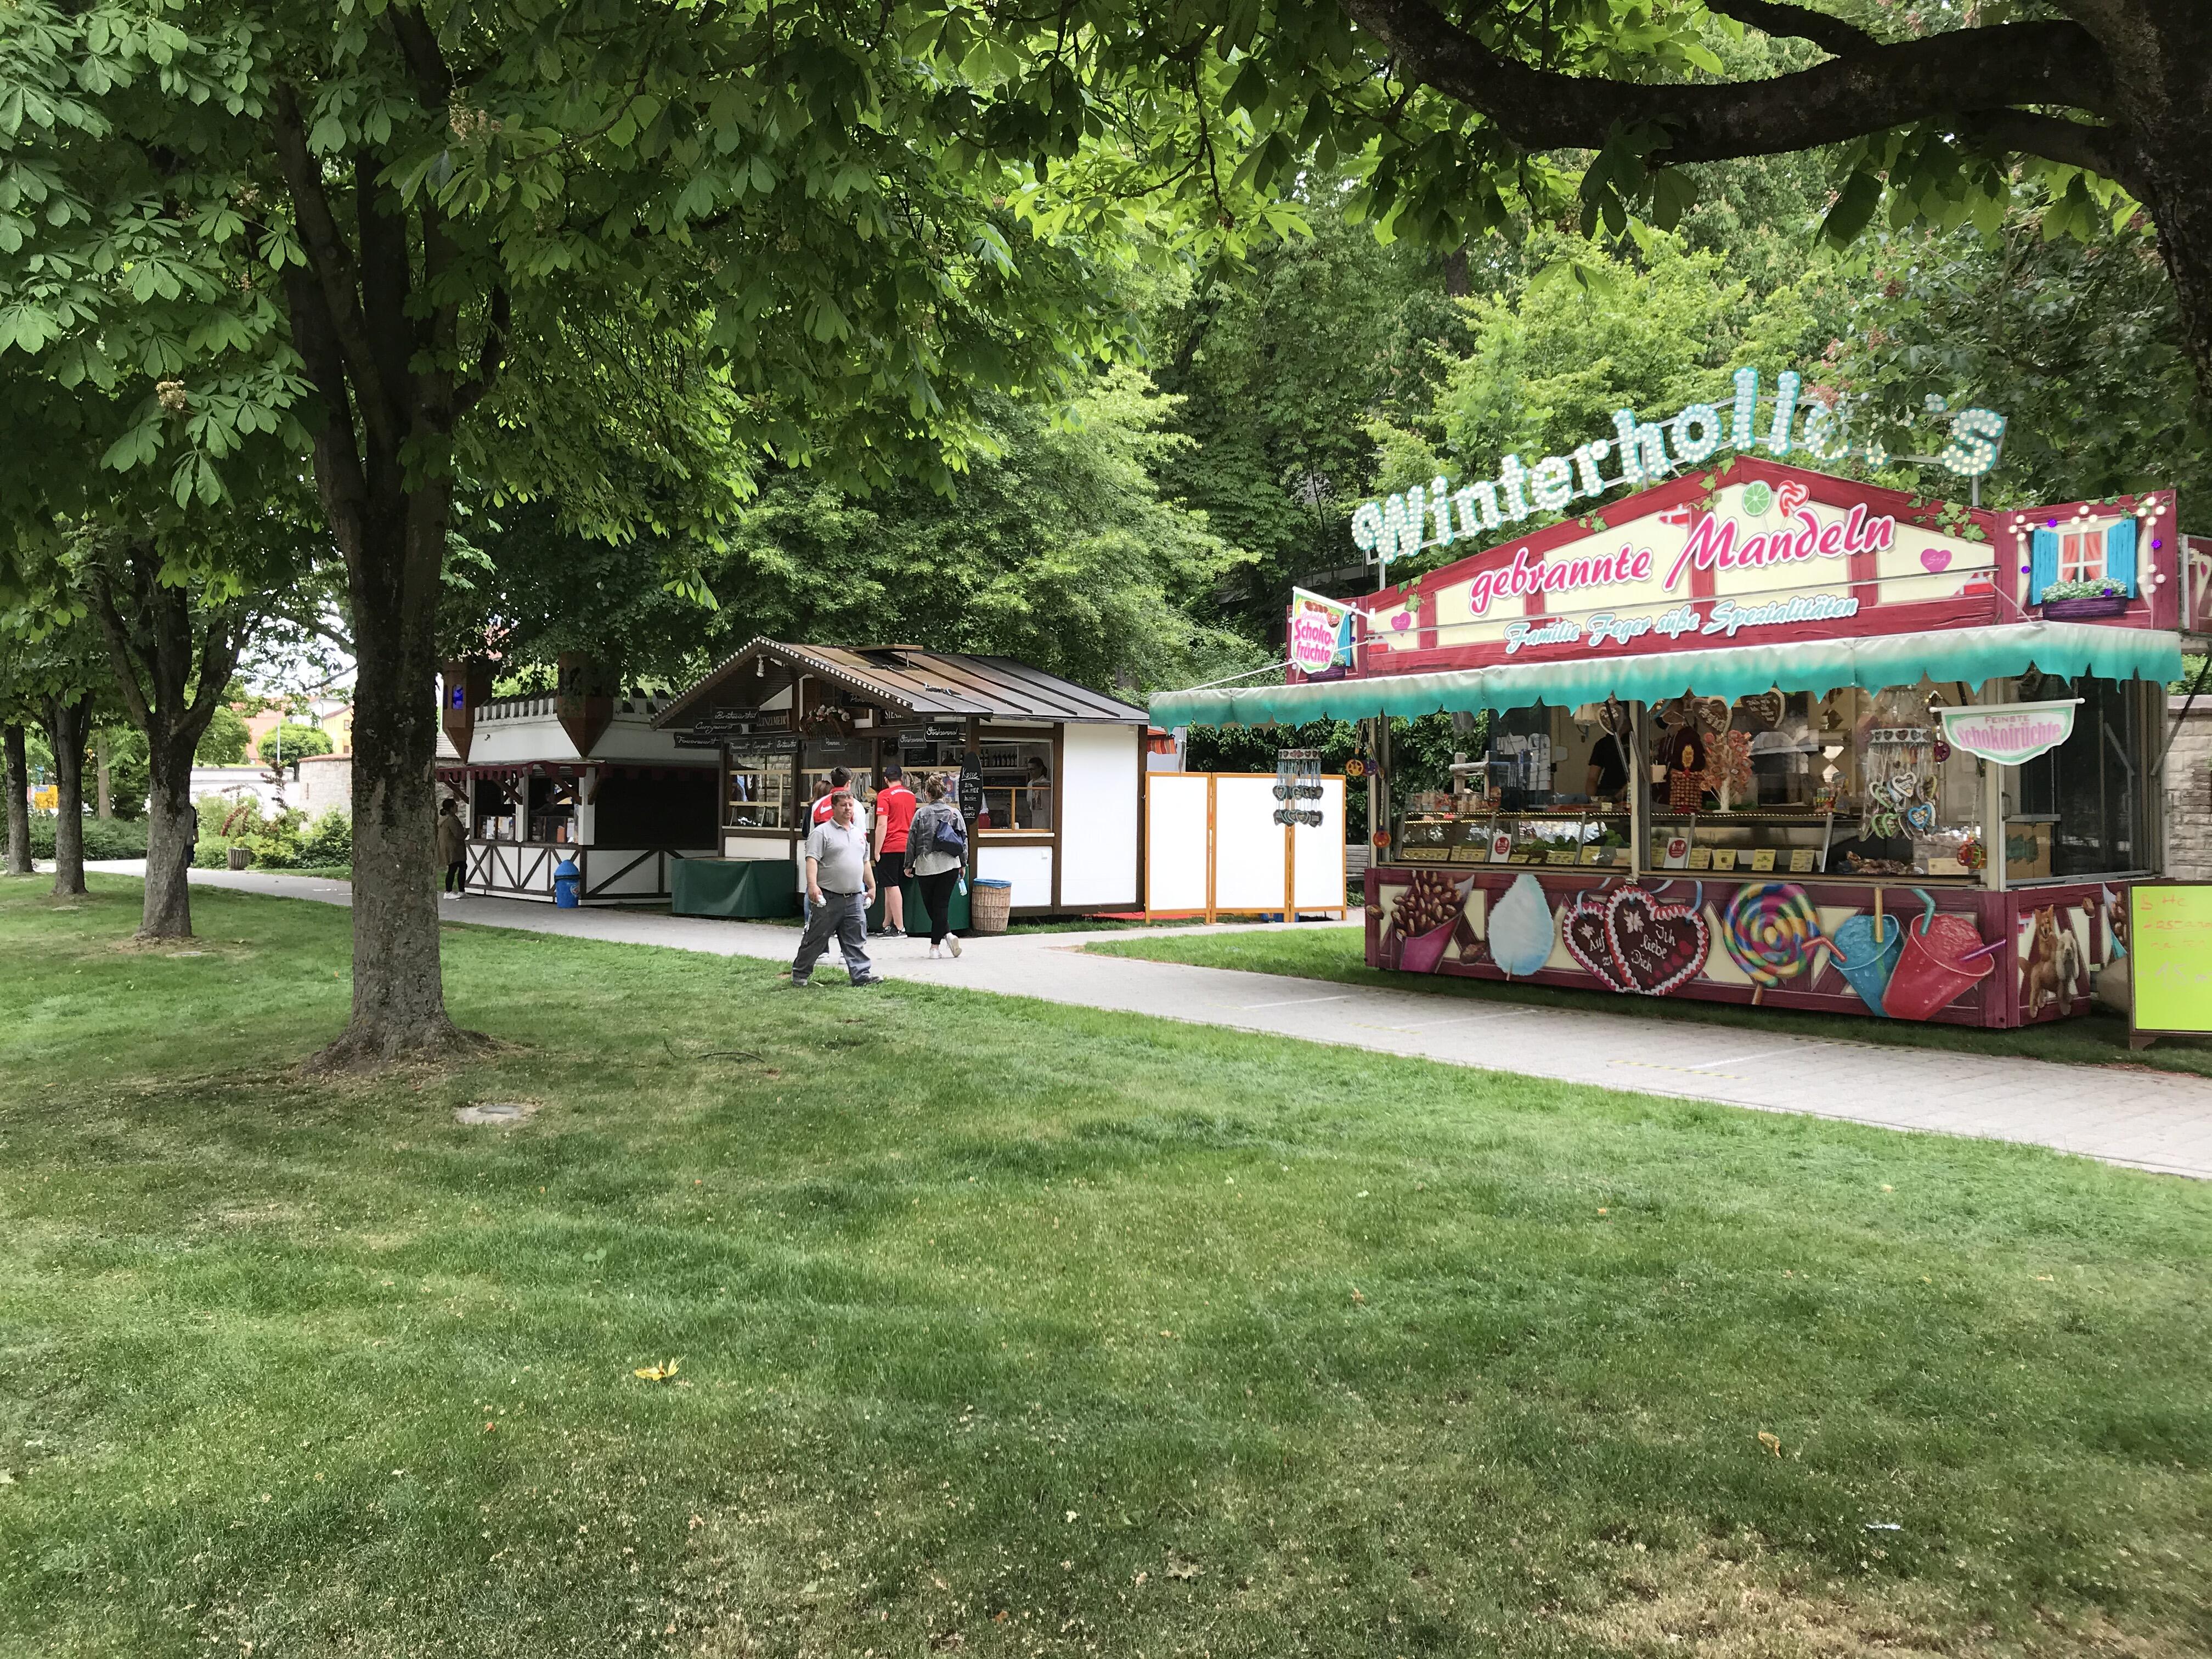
[971, 787]
[2170, 937]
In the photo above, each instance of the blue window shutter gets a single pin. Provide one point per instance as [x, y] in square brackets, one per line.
[2120, 554]
[2042, 565]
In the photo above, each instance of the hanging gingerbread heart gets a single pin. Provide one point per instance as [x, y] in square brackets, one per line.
[1886, 824]
[1903, 788]
[1658, 947]
[1584, 931]
[1920, 816]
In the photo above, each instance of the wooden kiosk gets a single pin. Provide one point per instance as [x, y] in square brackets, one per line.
[1764, 735]
[1049, 773]
[580, 773]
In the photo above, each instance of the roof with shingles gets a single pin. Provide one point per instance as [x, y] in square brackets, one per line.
[930, 684]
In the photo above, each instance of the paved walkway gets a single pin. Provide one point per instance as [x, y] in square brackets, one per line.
[2150, 1120]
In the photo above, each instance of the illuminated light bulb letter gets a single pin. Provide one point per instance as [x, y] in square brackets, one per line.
[1402, 523]
[1817, 438]
[1643, 449]
[1785, 411]
[1486, 495]
[1440, 508]
[1586, 459]
[1745, 409]
[1511, 475]
[1976, 434]
[1707, 421]
[1553, 481]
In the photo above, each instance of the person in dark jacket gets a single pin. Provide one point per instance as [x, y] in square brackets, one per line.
[453, 846]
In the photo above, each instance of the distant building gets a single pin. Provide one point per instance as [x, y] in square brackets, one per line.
[330, 715]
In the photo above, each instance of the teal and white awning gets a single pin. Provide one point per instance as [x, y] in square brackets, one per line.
[1971, 654]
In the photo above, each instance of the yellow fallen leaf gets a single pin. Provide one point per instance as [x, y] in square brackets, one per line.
[660, 1373]
[1771, 1442]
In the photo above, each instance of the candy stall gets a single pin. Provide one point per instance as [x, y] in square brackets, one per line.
[1758, 733]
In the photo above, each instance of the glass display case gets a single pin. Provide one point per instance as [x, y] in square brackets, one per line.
[1588, 837]
[1724, 843]
[758, 792]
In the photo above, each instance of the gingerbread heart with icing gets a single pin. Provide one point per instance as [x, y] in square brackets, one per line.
[1583, 927]
[1657, 948]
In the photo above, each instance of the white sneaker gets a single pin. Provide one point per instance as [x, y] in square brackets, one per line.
[934, 953]
[953, 939]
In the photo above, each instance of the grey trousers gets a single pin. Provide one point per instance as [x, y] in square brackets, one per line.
[844, 915]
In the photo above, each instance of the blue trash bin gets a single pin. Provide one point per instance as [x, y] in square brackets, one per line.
[567, 883]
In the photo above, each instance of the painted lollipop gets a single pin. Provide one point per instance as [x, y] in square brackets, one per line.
[1772, 932]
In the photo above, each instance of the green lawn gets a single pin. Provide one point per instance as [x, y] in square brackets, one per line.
[1338, 953]
[1010, 1328]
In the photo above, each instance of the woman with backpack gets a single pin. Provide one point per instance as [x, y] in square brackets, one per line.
[936, 854]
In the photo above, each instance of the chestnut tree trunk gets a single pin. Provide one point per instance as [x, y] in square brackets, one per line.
[173, 653]
[18, 770]
[373, 318]
[69, 724]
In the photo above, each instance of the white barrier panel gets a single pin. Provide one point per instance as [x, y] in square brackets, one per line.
[1233, 813]
[1098, 817]
[1175, 811]
[1320, 850]
[1248, 866]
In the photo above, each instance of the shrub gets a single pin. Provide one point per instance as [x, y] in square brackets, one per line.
[223, 821]
[328, 840]
[104, 838]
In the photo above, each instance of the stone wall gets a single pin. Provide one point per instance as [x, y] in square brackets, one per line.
[325, 783]
[2189, 792]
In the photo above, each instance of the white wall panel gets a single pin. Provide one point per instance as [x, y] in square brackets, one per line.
[1099, 816]
[1029, 868]
[1320, 850]
[1248, 842]
[1174, 842]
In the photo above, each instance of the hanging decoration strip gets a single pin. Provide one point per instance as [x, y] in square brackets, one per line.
[1971, 654]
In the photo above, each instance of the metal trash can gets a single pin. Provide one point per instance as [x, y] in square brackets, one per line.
[989, 903]
[567, 883]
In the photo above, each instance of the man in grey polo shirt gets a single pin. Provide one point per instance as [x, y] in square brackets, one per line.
[840, 884]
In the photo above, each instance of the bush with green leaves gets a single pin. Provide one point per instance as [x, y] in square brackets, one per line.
[104, 838]
[328, 841]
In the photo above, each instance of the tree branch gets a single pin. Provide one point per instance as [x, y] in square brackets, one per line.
[118, 639]
[1830, 35]
[1960, 72]
[332, 263]
[2073, 143]
[490, 354]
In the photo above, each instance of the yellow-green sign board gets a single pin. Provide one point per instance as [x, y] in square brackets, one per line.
[2170, 936]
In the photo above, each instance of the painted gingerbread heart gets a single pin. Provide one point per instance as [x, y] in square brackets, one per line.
[1657, 947]
[1584, 930]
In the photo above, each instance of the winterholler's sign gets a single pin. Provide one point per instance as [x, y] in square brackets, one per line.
[1757, 554]
[1638, 454]
[1320, 634]
[2011, 732]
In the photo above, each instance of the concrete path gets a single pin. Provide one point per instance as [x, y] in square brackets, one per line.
[2151, 1119]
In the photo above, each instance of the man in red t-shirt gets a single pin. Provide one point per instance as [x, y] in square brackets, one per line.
[894, 806]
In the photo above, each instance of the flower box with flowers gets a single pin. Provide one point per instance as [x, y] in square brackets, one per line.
[2075, 601]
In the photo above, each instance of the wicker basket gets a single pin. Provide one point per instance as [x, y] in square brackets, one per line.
[989, 903]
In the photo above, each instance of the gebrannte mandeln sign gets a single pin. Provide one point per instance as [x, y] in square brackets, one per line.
[2009, 732]
[1759, 558]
